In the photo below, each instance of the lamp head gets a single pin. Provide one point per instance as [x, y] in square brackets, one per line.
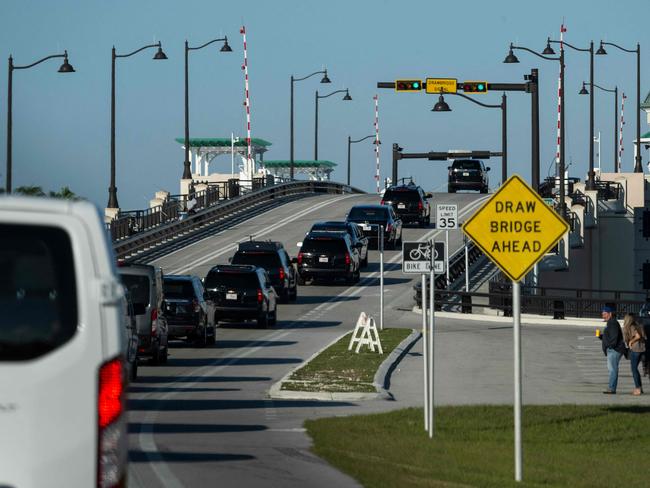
[347, 96]
[160, 54]
[66, 67]
[325, 78]
[601, 50]
[548, 49]
[225, 48]
[511, 58]
[441, 106]
[583, 90]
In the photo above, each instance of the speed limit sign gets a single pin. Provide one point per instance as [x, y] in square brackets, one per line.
[446, 216]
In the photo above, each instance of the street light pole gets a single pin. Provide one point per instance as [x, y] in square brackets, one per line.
[65, 68]
[638, 168]
[112, 190]
[347, 97]
[350, 142]
[187, 165]
[615, 92]
[325, 79]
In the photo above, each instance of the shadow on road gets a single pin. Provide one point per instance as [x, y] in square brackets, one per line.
[200, 379]
[184, 457]
[387, 281]
[188, 405]
[221, 344]
[324, 298]
[230, 361]
[168, 389]
[374, 266]
[307, 324]
[135, 428]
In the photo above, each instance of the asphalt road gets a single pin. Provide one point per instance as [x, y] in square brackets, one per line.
[205, 418]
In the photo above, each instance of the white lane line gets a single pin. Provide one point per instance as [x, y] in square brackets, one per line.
[186, 267]
[146, 438]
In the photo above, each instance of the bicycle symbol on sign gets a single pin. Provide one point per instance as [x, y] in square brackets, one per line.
[423, 251]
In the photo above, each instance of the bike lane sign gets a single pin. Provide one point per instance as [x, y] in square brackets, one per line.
[416, 257]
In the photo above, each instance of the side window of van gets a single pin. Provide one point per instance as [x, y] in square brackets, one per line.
[38, 296]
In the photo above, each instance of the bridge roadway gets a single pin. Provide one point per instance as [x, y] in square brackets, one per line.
[205, 418]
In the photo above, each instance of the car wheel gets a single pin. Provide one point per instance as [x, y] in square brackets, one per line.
[364, 262]
[484, 189]
[451, 189]
[165, 355]
[156, 357]
[213, 337]
[428, 221]
[273, 319]
[301, 280]
[263, 321]
[399, 241]
[357, 276]
[134, 371]
[284, 296]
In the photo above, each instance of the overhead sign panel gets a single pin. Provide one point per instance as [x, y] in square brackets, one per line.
[515, 228]
[445, 85]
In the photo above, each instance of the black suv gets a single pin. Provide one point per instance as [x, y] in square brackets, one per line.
[274, 259]
[241, 293]
[186, 309]
[409, 203]
[371, 217]
[468, 174]
[353, 230]
[328, 255]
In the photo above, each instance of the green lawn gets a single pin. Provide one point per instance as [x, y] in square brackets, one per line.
[338, 370]
[564, 445]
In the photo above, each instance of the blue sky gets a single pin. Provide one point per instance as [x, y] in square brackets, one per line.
[62, 122]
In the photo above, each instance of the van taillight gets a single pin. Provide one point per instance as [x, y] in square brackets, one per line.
[300, 258]
[112, 446]
[154, 322]
[347, 259]
[388, 228]
[260, 297]
[196, 306]
[382, 202]
[281, 274]
[420, 206]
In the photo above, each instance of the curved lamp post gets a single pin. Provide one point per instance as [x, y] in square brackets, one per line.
[112, 190]
[548, 50]
[64, 68]
[584, 91]
[325, 79]
[187, 167]
[347, 97]
[638, 168]
[511, 58]
[442, 106]
[350, 142]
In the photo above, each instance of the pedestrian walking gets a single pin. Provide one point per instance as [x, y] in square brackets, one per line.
[613, 347]
[635, 338]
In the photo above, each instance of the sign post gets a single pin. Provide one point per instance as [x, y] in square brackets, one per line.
[432, 317]
[381, 277]
[515, 228]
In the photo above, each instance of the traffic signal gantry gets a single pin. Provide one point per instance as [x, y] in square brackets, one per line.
[439, 86]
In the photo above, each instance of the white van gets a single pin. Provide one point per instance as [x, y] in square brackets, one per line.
[62, 348]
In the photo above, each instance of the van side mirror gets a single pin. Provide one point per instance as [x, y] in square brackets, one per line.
[487, 169]
[299, 244]
[428, 195]
[230, 259]
[449, 167]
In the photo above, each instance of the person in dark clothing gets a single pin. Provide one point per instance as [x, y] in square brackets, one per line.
[613, 347]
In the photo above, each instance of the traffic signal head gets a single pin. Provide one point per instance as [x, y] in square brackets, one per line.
[475, 86]
[408, 85]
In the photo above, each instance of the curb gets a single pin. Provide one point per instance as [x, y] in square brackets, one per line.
[381, 379]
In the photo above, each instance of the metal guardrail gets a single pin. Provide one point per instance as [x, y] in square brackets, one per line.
[164, 224]
[609, 190]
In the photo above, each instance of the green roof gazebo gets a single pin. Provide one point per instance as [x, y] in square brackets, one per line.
[317, 170]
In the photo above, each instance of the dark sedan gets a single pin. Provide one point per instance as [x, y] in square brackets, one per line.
[353, 230]
[371, 217]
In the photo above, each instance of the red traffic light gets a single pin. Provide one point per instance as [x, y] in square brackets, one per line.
[408, 85]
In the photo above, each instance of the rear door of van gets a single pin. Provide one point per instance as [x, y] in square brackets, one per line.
[59, 323]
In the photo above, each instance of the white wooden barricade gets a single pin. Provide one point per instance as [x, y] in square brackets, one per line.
[365, 333]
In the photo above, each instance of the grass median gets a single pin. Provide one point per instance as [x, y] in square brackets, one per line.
[338, 370]
[564, 445]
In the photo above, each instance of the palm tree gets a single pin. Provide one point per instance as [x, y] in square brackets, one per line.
[66, 193]
[34, 191]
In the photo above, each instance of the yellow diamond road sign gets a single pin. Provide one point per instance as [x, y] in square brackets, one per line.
[515, 228]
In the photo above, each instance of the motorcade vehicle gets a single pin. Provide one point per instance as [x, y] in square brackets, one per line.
[352, 229]
[272, 256]
[468, 174]
[241, 292]
[63, 346]
[328, 256]
[410, 203]
[371, 217]
[131, 335]
[145, 285]
[186, 310]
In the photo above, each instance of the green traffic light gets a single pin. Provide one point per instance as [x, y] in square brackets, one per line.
[416, 85]
[481, 87]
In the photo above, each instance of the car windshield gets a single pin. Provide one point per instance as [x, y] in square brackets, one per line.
[323, 245]
[467, 164]
[402, 195]
[262, 259]
[234, 279]
[38, 295]
[178, 288]
[332, 227]
[368, 214]
[138, 286]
